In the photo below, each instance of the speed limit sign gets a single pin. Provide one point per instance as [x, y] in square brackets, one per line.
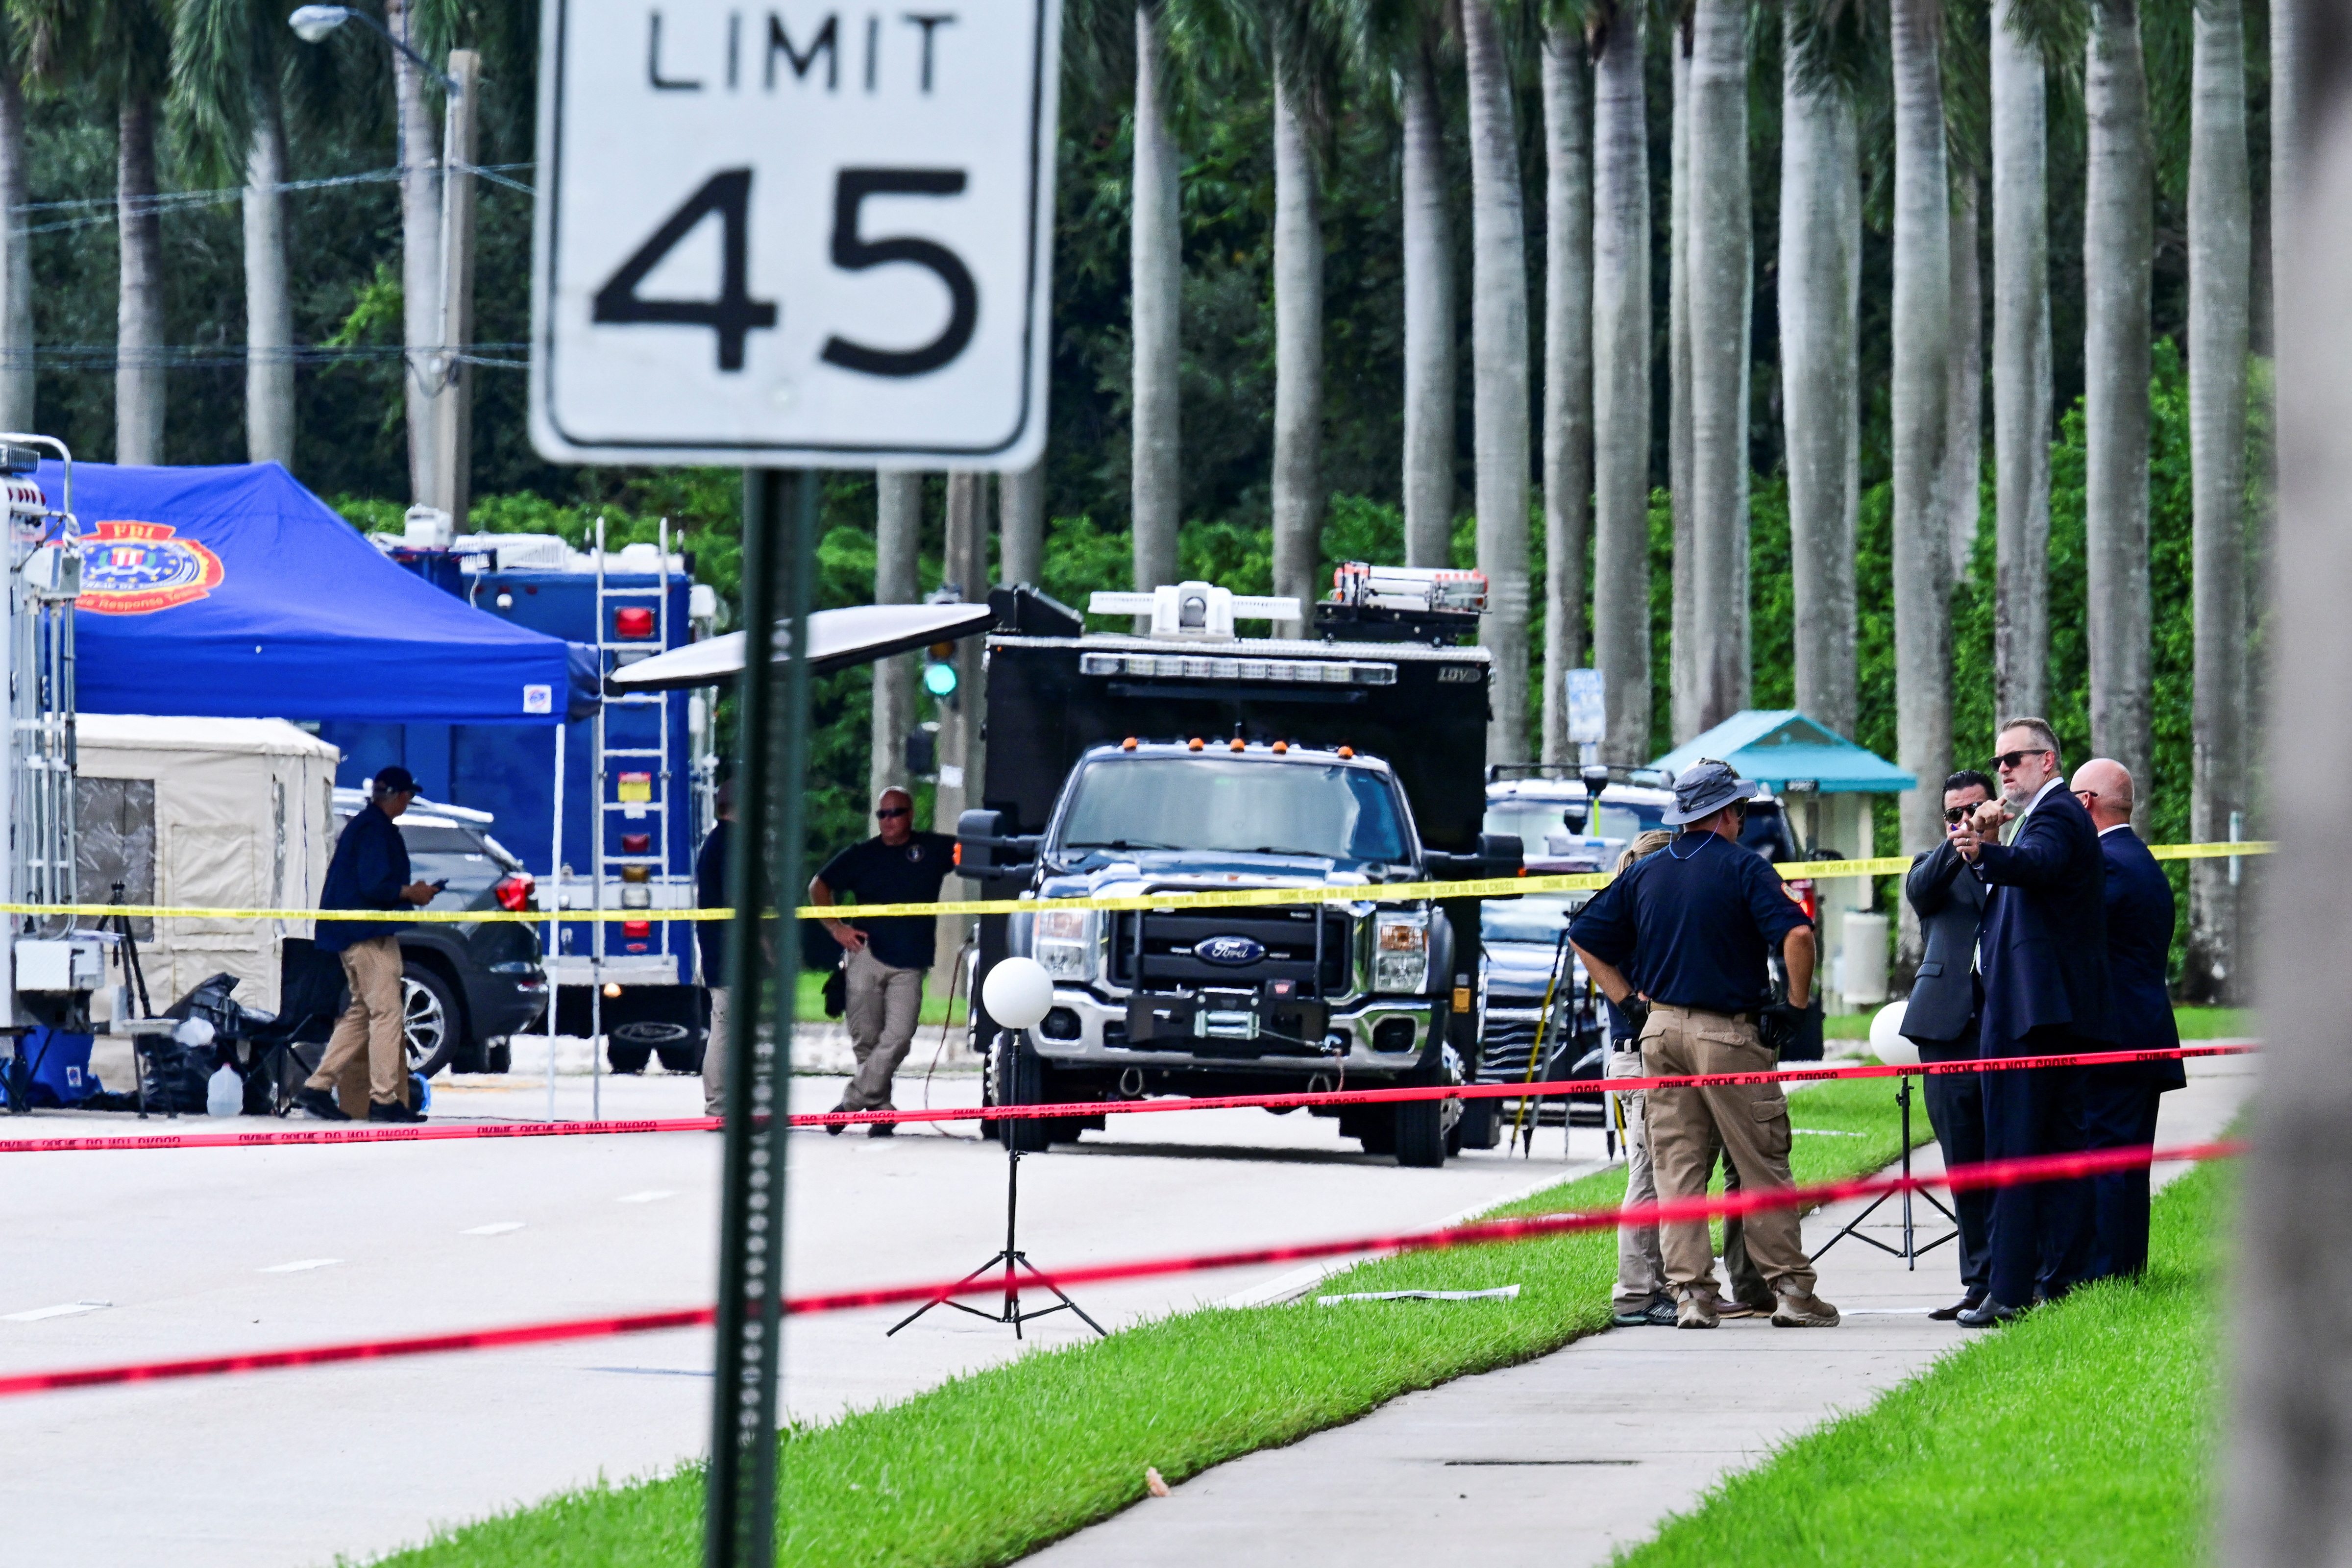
[806, 236]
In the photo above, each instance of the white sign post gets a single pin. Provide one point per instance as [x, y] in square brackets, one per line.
[810, 236]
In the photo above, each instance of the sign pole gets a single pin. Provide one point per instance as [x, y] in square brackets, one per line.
[764, 866]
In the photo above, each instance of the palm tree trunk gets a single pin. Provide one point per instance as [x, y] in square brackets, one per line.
[2286, 23]
[2286, 1461]
[1158, 276]
[420, 243]
[1921, 327]
[16, 259]
[1499, 370]
[2021, 376]
[269, 300]
[1717, 266]
[1020, 524]
[1621, 382]
[2117, 253]
[1429, 339]
[1964, 407]
[1682, 647]
[1821, 240]
[1297, 357]
[139, 320]
[1568, 369]
[898, 539]
[2221, 213]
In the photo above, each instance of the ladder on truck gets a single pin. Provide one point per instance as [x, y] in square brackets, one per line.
[634, 782]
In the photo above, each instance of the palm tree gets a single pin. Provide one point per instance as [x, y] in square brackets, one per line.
[1719, 265]
[1682, 646]
[1156, 264]
[228, 70]
[1021, 525]
[1921, 330]
[1567, 366]
[898, 541]
[15, 247]
[1621, 378]
[1302, 53]
[1820, 287]
[420, 228]
[2020, 370]
[2219, 275]
[2286, 110]
[1498, 369]
[121, 48]
[2118, 247]
[1964, 398]
[1429, 334]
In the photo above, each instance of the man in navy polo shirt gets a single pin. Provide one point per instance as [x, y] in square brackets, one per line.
[1698, 924]
[887, 957]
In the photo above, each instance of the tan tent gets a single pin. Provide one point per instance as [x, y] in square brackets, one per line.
[215, 812]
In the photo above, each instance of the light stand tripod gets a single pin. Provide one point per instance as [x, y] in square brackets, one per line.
[1010, 1258]
[1909, 1251]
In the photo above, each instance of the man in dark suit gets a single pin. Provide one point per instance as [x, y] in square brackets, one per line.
[2119, 1103]
[1941, 1019]
[2043, 954]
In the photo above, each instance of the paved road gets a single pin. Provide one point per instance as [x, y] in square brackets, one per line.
[218, 1250]
[1564, 1460]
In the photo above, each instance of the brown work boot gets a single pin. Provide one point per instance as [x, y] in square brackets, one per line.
[1698, 1311]
[1799, 1310]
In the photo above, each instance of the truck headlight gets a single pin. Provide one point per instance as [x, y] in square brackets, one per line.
[1401, 952]
[1063, 944]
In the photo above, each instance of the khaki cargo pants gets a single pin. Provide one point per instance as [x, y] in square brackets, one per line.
[883, 1004]
[1748, 1121]
[372, 1027]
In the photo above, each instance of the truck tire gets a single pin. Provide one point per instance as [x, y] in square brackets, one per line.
[1017, 1077]
[498, 1057]
[1481, 1126]
[1425, 1132]
[626, 1055]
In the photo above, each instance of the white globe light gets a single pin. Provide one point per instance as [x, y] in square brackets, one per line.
[1887, 1038]
[1018, 992]
[313, 23]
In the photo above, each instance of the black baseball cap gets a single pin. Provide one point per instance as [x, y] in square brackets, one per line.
[395, 780]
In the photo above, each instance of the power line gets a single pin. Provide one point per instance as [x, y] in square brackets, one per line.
[106, 357]
[110, 209]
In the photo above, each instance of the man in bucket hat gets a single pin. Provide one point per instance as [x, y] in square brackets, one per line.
[1698, 924]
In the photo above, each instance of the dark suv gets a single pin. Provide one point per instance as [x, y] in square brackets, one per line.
[468, 987]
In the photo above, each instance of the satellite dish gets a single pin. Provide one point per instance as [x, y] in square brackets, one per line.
[1018, 992]
[1887, 1041]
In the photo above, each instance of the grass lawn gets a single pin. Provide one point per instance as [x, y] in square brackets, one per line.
[989, 1467]
[2082, 1435]
[2196, 1024]
[811, 1004]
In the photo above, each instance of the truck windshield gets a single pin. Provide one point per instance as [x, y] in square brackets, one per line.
[1217, 804]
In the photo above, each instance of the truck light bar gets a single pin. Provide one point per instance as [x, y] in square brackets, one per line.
[1181, 666]
[1409, 587]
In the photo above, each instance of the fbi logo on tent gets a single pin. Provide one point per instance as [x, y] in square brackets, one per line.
[138, 568]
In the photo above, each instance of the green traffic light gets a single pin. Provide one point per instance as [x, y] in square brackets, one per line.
[940, 679]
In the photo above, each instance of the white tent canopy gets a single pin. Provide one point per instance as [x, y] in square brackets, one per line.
[837, 639]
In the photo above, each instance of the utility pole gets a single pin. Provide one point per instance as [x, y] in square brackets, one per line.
[449, 378]
[962, 758]
[898, 541]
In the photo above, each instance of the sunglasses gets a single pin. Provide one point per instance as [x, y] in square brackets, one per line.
[887, 812]
[2007, 761]
[1955, 815]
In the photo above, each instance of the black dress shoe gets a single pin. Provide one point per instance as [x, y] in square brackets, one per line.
[317, 1102]
[1987, 1313]
[379, 1111]
[1967, 1303]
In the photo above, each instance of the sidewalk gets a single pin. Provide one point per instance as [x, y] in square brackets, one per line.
[1565, 1459]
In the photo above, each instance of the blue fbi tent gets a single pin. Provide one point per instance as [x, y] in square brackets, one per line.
[234, 593]
[1786, 749]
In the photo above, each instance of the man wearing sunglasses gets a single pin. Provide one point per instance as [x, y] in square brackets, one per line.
[2042, 952]
[1941, 1019]
[887, 958]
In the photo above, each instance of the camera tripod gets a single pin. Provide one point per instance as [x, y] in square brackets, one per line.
[1910, 1251]
[1010, 1258]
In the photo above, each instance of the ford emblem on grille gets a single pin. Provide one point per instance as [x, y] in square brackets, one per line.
[1228, 950]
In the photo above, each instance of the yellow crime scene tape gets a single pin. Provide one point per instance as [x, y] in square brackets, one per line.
[1203, 899]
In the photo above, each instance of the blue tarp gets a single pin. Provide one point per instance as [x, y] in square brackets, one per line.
[1781, 745]
[234, 593]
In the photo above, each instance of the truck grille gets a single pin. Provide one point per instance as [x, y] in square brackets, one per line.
[1157, 950]
[1509, 1045]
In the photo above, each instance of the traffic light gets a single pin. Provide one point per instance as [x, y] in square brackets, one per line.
[940, 677]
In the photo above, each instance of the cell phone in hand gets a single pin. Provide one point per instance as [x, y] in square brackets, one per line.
[442, 886]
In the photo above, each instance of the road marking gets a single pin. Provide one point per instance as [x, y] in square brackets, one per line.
[65, 1310]
[499, 1227]
[653, 1197]
[1829, 1132]
[657, 1371]
[299, 1265]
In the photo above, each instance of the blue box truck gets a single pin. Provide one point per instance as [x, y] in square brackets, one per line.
[637, 787]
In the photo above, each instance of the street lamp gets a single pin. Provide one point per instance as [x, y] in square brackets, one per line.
[311, 23]
[443, 423]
